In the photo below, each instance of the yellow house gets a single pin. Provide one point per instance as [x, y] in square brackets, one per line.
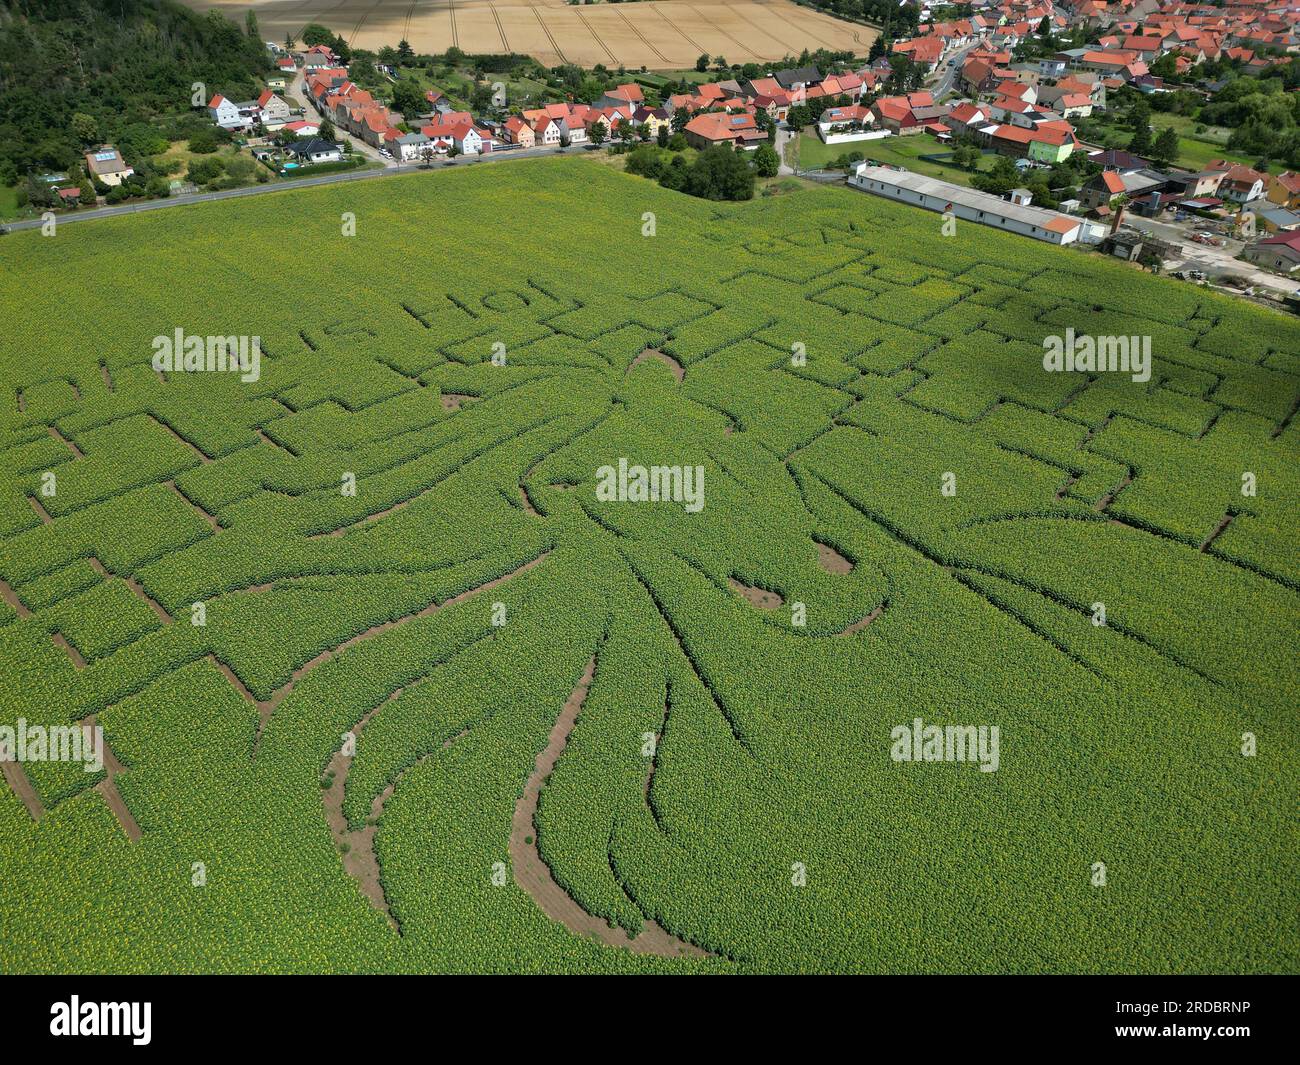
[655, 120]
[1284, 189]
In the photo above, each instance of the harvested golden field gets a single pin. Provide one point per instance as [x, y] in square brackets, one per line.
[659, 34]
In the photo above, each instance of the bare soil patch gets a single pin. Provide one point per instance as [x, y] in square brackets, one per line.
[831, 560]
[758, 597]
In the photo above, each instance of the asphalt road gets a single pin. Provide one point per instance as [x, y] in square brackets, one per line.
[284, 186]
[951, 72]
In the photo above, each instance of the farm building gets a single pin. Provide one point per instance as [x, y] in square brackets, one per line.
[981, 207]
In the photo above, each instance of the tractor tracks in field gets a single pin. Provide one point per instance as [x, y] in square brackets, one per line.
[595, 36]
[505, 43]
[546, 30]
[643, 38]
[658, 9]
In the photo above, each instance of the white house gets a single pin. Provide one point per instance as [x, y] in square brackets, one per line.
[468, 140]
[227, 114]
[315, 151]
[988, 210]
[407, 147]
[547, 132]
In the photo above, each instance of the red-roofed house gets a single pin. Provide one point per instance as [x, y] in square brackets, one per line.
[1241, 184]
[718, 127]
[1284, 189]
[1280, 251]
[623, 95]
[517, 131]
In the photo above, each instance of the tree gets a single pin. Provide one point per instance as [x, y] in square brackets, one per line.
[1141, 142]
[203, 142]
[702, 64]
[405, 53]
[719, 173]
[85, 128]
[1165, 148]
[661, 136]
[408, 99]
[1045, 27]
[327, 131]
[879, 47]
[720, 62]
[766, 162]
[598, 132]
[250, 25]
[798, 116]
[314, 33]
[680, 117]
[675, 175]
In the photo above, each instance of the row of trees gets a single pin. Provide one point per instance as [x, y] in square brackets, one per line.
[717, 173]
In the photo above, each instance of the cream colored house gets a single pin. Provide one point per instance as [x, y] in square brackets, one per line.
[106, 165]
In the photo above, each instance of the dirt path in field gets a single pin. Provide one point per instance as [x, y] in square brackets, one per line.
[455, 400]
[41, 512]
[758, 597]
[534, 875]
[678, 370]
[1106, 500]
[11, 597]
[209, 518]
[265, 707]
[858, 626]
[831, 560]
[54, 432]
[61, 641]
[19, 783]
[1224, 522]
[107, 788]
[356, 847]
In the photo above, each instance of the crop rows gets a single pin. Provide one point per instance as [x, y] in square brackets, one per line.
[444, 612]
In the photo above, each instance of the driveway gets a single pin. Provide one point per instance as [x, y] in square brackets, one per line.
[785, 138]
[1214, 262]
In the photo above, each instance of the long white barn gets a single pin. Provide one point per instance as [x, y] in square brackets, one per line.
[982, 207]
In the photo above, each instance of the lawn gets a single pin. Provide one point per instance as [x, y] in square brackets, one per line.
[1195, 151]
[893, 151]
[9, 209]
[382, 641]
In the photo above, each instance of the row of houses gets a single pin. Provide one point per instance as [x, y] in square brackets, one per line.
[268, 112]
[1150, 190]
